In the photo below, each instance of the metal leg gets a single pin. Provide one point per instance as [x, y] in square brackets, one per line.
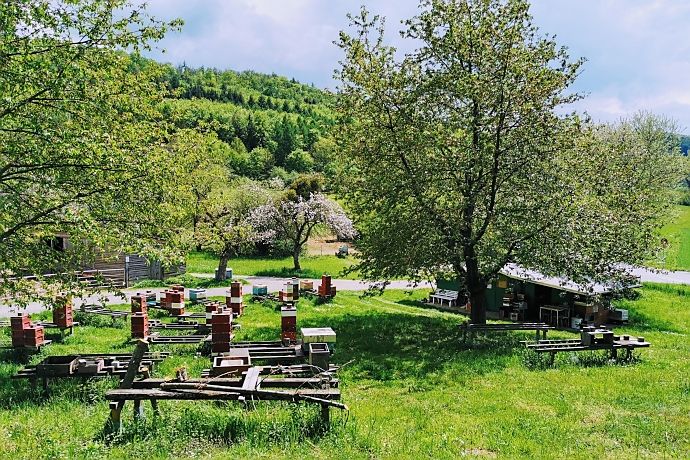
[552, 358]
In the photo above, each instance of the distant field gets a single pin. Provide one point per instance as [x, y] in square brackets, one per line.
[414, 392]
[312, 266]
[677, 256]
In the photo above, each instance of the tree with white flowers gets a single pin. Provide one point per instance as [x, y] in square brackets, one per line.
[295, 219]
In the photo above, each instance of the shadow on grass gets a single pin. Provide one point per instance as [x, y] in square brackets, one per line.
[644, 322]
[385, 346]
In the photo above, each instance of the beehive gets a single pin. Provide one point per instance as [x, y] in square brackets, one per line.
[288, 323]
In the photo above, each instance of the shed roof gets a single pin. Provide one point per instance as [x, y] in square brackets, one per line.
[518, 272]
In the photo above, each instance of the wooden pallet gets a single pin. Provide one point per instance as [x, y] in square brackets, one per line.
[96, 310]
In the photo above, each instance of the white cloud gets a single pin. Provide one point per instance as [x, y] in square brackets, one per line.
[637, 50]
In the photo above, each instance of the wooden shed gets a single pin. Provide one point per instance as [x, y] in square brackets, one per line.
[118, 269]
[527, 295]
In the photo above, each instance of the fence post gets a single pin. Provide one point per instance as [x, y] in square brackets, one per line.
[126, 271]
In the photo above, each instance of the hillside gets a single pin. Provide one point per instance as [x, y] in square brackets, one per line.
[289, 120]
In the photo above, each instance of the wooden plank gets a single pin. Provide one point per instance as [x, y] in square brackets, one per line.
[251, 379]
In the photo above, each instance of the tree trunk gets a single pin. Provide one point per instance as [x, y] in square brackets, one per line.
[477, 291]
[295, 257]
[478, 302]
[222, 267]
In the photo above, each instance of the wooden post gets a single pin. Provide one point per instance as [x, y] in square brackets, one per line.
[325, 416]
[115, 421]
[138, 410]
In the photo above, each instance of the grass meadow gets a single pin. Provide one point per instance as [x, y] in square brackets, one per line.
[312, 266]
[677, 255]
[414, 391]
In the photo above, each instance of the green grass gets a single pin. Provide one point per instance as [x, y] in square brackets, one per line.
[677, 255]
[413, 389]
[312, 266]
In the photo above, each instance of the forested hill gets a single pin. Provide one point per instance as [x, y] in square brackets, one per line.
[276, 126]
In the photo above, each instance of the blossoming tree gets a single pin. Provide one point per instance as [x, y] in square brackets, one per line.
[294, 220]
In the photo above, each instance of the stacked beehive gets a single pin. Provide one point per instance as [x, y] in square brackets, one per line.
[211, 308]
[234, 299]
[295, 289]
[221, 332]
[140, 325]
[139, 304]
[63, 313]
[286, 295]
[34, 336]
[176, 299]
[19, 324]
[326, 289]
[166, 299]
[288, 323]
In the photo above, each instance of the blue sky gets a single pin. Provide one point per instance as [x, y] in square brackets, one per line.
[638, 51]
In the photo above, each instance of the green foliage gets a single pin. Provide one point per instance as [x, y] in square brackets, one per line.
[80, 139]
[299, 161]
[458, 156]
[305, 185]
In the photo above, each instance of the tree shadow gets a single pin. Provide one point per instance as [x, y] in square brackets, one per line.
[385, 346]
[644, 322]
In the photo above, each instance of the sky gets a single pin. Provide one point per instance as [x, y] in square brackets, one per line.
[637, 51]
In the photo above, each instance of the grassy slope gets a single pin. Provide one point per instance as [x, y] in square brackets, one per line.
[312, 266]
[678, 235]
[413, 389]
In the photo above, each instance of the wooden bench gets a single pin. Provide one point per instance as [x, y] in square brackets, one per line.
[471, 328]
[627, 343]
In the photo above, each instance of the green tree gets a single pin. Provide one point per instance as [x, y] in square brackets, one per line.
[225, 229]
[80, 139]
[458, 160]
[300, 161]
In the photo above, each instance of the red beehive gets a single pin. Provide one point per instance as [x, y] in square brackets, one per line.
[221, 332]
[138, 303]
[20, 322]
[234, 300]
[140, 326]
[325, 287]
[211, 308]
[288, 323]
[166, 301]
[18, 325]
[220, 347]
[33, 336]
[63, 313]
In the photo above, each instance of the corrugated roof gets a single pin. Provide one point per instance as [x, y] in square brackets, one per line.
[515, 271]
